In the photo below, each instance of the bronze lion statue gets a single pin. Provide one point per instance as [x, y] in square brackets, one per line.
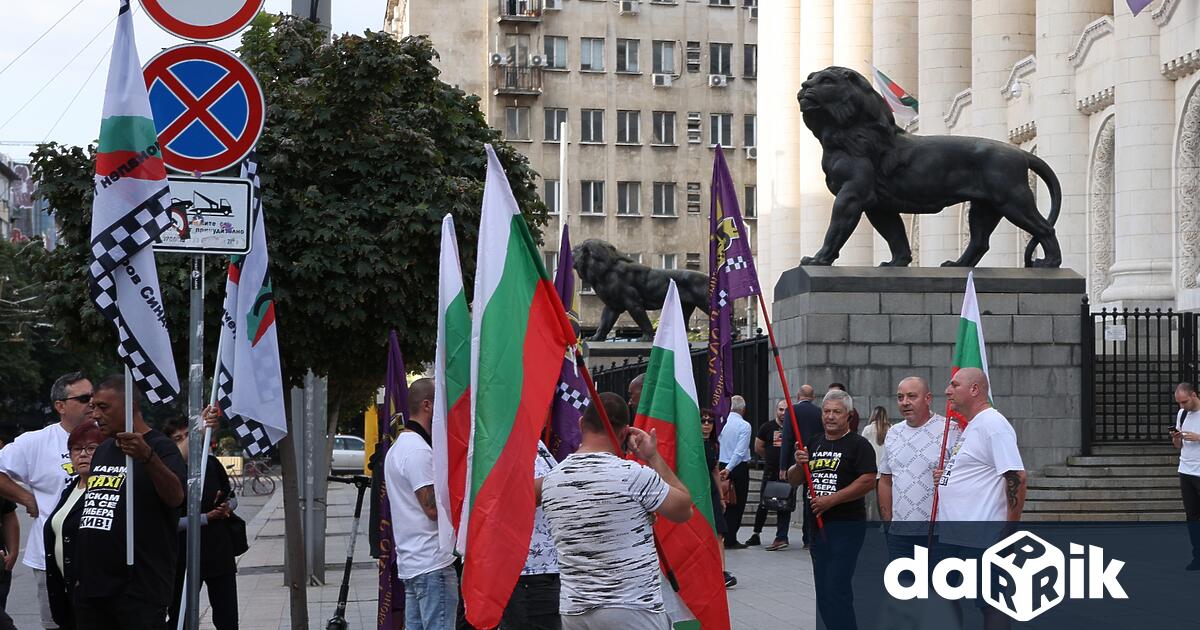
[629, 287]
[875, 168]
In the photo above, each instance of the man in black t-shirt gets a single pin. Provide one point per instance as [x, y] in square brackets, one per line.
[767, 443]
[109, 593]
[843, 472]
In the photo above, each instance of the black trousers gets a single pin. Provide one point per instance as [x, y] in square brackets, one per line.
[1189, 486]
[534, 604]
[834, 558]
[740, 476]
[119, 612]
[222, 597]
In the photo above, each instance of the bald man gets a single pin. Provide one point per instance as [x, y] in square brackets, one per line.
[635, 393]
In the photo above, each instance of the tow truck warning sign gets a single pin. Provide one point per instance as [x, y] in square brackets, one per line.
[209, 215]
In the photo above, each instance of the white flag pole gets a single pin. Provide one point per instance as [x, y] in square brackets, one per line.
[128, 469]
[563, 181]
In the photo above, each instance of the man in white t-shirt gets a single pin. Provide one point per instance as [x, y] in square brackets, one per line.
[599, 507]
[40, 460]
[430, 582]
[911, 451]
[1185, 435]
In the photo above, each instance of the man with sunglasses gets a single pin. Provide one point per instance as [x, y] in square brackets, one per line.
[40, 460]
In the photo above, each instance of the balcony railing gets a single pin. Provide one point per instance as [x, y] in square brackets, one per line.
[517, 80]
[520, 10]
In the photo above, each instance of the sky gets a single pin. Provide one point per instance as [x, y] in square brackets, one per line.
[51, 115]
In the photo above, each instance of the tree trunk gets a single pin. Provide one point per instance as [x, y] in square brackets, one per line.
[295, 573]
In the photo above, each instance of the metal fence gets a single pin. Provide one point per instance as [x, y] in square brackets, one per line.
[751, 374]
[1132, 360]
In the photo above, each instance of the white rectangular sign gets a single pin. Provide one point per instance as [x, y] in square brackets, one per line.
[1115, 332]
[209, 215]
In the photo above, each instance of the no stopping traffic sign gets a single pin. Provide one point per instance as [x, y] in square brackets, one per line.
[202, 20]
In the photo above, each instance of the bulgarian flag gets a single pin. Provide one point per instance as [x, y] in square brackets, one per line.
[452, 381]
[689, 551]
[519, 334]
[904, 106]
[969, 349]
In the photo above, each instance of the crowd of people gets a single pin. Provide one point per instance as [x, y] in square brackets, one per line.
[71, 478]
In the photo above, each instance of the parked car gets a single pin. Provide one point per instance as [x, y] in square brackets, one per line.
[349, 453]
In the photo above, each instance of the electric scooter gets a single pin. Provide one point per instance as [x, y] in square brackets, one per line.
[363, 483]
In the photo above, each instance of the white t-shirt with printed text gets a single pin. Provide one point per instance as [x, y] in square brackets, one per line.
[910, 456]
[408, 468]
[1189, 455]
[972, 484]
[542, 558]
[39, 459]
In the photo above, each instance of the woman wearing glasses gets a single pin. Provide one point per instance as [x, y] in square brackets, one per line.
[63, 522]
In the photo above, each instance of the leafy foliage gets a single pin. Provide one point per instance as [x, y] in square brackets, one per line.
[364, 151]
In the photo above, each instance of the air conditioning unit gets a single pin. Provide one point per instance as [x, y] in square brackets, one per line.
[496, 59]
[629, 7]
[661, 80]
[751, 153]
[537, 61]
[718, 80]
[753, 11]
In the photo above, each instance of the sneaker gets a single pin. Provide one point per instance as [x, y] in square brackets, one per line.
[753, 541]
[777, 545]
[1194, 565]
[730, 580]
[734, 544]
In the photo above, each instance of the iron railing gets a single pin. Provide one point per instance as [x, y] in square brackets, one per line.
[1132, 360]
[520, 9]
[516, 79]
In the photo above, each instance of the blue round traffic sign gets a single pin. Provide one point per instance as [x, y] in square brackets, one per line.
[208, 107]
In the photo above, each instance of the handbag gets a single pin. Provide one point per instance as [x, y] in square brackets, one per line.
[779, 496]
[237, 534]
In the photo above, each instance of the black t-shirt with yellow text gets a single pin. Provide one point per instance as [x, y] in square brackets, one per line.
[835, 464]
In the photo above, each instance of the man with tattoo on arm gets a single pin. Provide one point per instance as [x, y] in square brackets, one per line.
[430, 583]
[983, 481]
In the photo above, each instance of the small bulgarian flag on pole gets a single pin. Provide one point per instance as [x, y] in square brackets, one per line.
[904, 106]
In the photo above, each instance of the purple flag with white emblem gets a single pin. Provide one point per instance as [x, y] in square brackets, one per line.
[571, 397]
[731, 276]
[390, 613]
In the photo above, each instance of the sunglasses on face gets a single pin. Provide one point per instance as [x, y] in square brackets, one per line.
[82, 398]
[706, 421]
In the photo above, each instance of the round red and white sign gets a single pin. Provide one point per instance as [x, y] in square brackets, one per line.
[202, 20]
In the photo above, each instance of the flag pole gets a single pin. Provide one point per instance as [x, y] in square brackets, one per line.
[788, 395]
[128, 469]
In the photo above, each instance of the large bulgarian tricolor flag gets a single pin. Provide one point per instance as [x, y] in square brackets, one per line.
[904, 106]
[969, 349]
[452, 383]
[669, 405]
[519, 334]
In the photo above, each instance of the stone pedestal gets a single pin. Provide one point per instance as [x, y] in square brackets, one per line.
[871, 327]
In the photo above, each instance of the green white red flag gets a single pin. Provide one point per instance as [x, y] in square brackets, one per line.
[969, 348]
[904, 106]
[669, 406]
[519, 334]
[451, 425]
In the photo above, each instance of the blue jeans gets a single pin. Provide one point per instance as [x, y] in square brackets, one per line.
[430, 600]
[834, 558]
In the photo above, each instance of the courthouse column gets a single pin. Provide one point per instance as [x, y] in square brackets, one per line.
[1145, 121]
[816, 53]
[779, 149]
[1063, 135]
[852, 25]
[944, 69]
[894, 52]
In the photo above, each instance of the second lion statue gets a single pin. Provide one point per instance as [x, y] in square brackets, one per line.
[875, 168]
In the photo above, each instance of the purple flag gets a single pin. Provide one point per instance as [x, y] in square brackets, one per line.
[571, 397]
[395, 403]
[731, 275]
[1137, 5]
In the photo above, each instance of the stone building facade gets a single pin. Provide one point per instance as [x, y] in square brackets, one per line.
[1107, 98]
[647, 88]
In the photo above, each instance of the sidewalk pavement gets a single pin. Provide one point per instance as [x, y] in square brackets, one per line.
[775, 589]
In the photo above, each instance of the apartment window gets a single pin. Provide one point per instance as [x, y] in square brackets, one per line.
[629, 198]
[720, 130]
[693, 261]
[516, 123]
[550, 259]
[750, 61]
[663, 53]
[720, 3]
[693, 197]
[550, 196]
[750, 207]
[592, 197]
[629, 127]
[693, 56]
[627, 55]
[750, 130]
[693, 127]
[664, 199]
[664, 128]
[518, 49]
[555, 117]
[556, 52]
[635, 257]
[720, 59]
[591, 54]
[668, 261]
[591, 127]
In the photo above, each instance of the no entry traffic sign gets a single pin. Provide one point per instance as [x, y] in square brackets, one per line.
[202, 20]
[208, 107]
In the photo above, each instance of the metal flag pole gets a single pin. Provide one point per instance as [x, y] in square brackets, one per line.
[195, 447]
[563, 182]
[128, 469]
